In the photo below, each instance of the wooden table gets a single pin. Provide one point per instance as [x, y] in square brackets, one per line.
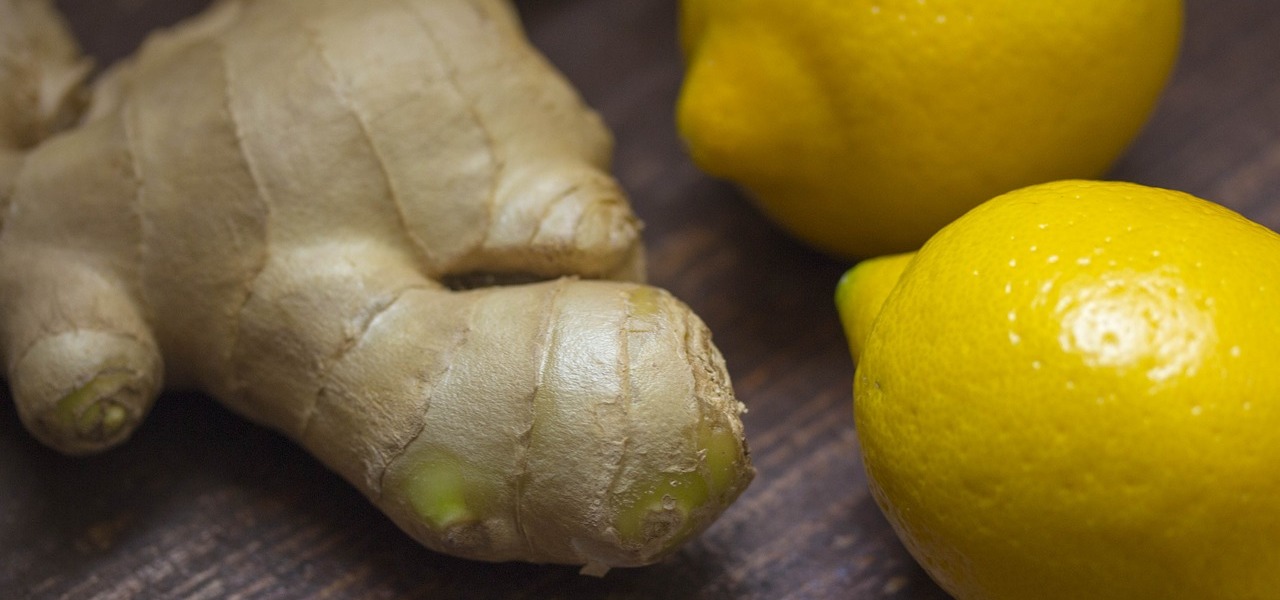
[202, 505]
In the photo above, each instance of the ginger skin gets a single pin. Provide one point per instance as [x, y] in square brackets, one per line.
[262, 205]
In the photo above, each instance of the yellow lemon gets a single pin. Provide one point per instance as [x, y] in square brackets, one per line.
[1071, 393]
[863, 290]
[864, 126]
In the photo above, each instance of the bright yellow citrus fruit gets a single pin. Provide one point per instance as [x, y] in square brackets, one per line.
[864, 126]
[863, 290]
[1071, 393]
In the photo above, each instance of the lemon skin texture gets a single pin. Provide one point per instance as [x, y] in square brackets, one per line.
[862, 291]
[1072, 392]
[864, 126]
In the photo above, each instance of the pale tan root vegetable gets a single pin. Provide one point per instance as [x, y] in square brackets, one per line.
[262, 205]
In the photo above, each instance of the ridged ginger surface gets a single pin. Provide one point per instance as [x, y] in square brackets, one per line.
[267, 204]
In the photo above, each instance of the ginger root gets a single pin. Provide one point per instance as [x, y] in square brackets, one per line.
[263, 203]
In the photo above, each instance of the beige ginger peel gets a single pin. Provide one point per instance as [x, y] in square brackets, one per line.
[263, 204]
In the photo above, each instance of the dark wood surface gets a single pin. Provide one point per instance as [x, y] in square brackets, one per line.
[203, 505]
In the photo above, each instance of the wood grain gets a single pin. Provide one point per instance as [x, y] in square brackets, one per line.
[202, 505]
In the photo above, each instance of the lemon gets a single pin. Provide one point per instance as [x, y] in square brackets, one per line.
[863, 290]
[1071, 392]
[864, 126]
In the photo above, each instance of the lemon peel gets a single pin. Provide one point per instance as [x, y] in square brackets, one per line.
[864, 126]
[1071, 393]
